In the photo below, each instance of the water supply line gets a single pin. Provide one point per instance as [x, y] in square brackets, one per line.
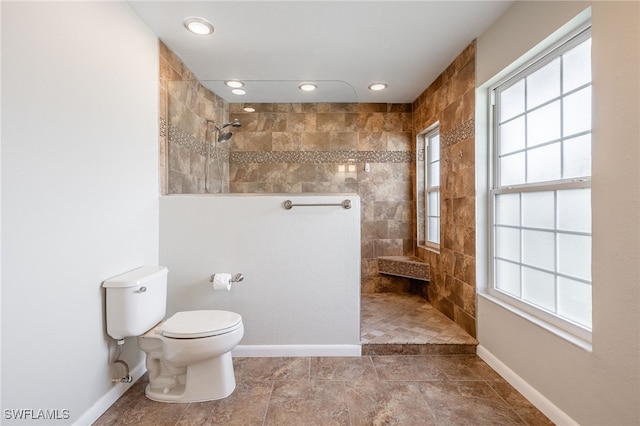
[127, 377]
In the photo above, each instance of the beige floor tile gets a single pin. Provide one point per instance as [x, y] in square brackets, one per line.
[343, 368]
[407, 368]
[315, 402]
[152, 413]
[464, 367]
[387, 403]
[272, 368]
[527, 412]
[123, 406]
[246, 406]
[468, 403]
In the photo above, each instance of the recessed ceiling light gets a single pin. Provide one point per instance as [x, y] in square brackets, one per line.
[239, 92]
[377, 86]
[198, 26]
[249, 109]
[307, 87]
[234, 83]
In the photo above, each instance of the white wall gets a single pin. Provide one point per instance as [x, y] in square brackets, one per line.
[601, 387]
[79, 192]
[301, 266]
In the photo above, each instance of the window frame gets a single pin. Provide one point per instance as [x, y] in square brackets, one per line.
[424, 170]
[536, 314]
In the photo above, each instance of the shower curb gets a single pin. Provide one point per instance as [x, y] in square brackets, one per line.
[418, 349]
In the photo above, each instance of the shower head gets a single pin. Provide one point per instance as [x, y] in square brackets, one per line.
[224, 137]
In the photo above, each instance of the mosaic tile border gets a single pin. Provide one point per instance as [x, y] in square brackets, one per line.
[177, 136]
[163, 127]
[462, 132]
[187, 140]
[297, 157]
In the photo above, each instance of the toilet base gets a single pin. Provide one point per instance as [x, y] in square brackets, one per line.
[203, 381]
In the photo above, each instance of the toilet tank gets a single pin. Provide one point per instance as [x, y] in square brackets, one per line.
[136, 301]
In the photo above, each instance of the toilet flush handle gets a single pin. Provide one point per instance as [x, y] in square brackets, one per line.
[141, 289]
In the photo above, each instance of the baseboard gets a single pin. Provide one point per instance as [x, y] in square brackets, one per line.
[107, 400]
[547, 407]
[295, 350]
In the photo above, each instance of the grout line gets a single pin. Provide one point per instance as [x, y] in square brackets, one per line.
[266, 410]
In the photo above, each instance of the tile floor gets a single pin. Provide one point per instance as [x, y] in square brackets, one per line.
[407, 390]
[402, 323]
[418, 368]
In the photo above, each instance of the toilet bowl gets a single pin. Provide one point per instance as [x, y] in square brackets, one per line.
[189, 356]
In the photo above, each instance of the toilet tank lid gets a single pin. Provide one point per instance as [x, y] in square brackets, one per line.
[136, 277]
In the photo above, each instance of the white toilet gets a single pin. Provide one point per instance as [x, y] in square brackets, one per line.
[189, 354]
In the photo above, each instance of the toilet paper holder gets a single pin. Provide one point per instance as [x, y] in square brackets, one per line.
[234, 278]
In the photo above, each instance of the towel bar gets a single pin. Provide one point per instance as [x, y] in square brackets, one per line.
[345, 204]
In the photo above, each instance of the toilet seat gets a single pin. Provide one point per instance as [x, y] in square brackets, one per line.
[198, 324]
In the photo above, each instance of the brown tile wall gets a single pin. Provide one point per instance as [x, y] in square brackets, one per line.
[185, 104]
[450, 99]
[299, 148]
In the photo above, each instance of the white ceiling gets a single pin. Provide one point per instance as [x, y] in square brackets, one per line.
[343, 46]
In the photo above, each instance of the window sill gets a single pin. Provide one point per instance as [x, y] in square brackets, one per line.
[434, 248]
[574, 340]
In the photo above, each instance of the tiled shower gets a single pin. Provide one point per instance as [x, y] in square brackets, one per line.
[368, 149]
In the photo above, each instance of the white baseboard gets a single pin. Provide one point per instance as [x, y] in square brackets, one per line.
[295, 350]
[547, 407]
[107, 400]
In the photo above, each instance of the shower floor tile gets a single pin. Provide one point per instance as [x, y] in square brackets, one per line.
[403, 323]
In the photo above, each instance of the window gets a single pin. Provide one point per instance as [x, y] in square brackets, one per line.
[429, 187]
[541, 192]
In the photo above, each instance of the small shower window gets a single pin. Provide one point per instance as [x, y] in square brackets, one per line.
[428, 184]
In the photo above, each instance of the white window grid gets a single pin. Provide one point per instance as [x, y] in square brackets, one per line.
[546, 314]
[432, 188]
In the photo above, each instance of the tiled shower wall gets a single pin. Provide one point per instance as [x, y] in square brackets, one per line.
[185, 105]
[324, 148]
[450, 100]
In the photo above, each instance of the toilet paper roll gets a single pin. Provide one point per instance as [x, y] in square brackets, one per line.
[221, 282]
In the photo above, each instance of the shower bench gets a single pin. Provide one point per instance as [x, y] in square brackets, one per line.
[404, 266]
